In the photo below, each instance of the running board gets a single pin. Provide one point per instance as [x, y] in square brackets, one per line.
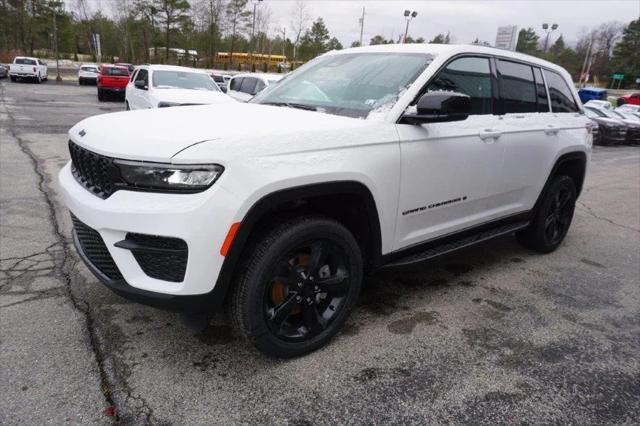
[457, 244]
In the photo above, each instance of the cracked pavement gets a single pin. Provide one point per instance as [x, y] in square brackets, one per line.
[494, 334]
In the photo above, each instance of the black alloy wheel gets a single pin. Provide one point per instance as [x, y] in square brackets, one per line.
[307, 288]
[553, 217]
[296, 285]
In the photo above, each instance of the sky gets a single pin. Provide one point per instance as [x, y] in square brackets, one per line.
[464, 19]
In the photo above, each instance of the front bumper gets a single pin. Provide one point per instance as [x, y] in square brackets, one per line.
[201, 220]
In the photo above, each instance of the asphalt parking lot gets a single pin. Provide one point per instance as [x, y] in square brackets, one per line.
[495, 334]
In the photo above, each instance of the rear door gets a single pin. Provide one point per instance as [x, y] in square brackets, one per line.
[528, 134]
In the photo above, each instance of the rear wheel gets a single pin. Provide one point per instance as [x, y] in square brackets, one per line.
[298, 284]
[553, 218]
[126, 106]
[38, 79]
[100, 95]
[13, 78]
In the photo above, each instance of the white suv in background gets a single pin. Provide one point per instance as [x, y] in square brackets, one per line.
[88, 74]
[159, 86]
[243, 87]
[362, 158]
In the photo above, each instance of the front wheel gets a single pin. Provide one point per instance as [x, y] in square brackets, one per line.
[298, 284]
[553, 218]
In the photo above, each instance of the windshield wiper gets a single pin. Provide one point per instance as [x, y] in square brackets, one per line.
[292, 105]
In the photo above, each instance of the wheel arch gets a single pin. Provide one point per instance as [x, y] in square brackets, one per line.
[297, 199]
[572, 164]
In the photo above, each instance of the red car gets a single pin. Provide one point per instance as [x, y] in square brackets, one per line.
[632, 99]
[112, 80]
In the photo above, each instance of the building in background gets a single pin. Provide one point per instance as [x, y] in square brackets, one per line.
[507, 37]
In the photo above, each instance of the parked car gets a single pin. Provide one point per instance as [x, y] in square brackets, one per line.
[599, 104]
[4, 71]
[221, 80]
[130, 67]
[610, 130]
[24, 67]
[245, 86]
[384, 155]
[631, 123]
[592, 93]
[112, 80]
[632, 99]
[159, 86]
[630, 109]
[88, 74]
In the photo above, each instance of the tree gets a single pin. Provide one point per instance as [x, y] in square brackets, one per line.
[315, 40]
[238, 18]
[355, 44]
[334, 44]
[527, 41]
[300, 18]
[626, 54]
[378, 39]
[441, 39]
[172, 14]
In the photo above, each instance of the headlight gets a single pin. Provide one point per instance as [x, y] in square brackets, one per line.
[171, 177]
[167, 104]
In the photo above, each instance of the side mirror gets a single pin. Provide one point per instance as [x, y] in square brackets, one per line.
[139, 84]
[440, 106]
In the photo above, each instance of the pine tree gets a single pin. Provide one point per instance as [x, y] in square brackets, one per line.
[626, 54]
[527, 41]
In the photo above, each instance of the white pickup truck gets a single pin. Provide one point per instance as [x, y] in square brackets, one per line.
[28, 68]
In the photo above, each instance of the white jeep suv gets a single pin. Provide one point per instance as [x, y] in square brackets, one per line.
[361, 159]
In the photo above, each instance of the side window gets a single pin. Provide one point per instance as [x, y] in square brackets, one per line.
[143, 75]
[561, 96]
[517, 88]
[541, 91]
[133, 76]
[236, 83]
[260, 86]
[470, 76]
[248, 85]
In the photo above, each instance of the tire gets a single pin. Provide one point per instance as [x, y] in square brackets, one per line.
[12, 78]
[100, 95]
[306, 310]
[38, 79]
[126, 106]
[80, 82]
[553, 217]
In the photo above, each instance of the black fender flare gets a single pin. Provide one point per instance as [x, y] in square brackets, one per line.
[564, 158]
[269, 202]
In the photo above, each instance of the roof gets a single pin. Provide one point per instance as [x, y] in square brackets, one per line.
[449, 50]
[158, 67]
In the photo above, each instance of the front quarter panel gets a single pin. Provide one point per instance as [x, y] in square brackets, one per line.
[367, 153]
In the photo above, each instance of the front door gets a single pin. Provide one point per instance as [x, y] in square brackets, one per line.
[447, 167]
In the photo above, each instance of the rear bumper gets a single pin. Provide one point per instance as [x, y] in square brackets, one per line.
[113, 90]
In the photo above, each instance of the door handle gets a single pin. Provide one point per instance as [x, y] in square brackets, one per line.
[551, 130]
[489, 135]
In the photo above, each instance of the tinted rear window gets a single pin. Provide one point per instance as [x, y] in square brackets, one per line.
[24, 61]
[115, 71]
[236, 83]
[517, 88]
[90, 69]
[218, 78]
[561, 96]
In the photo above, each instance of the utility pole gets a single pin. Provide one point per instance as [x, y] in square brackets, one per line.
[284, 41]
[361, 26]
[584, 63]
[54, 9]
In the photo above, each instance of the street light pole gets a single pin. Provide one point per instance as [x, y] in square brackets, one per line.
[408, 15]
[54, 10]
[361, 26]
[549, 31]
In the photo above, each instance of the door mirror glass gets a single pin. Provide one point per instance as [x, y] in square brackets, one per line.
[140, 84]
[440, 106]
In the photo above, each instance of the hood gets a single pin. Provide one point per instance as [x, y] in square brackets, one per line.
[186, 96]
[159, 134]
[607, 122]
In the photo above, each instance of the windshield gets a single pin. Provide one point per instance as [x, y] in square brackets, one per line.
[183, 80]
[352, 84]
[25, 61]
[89, 69]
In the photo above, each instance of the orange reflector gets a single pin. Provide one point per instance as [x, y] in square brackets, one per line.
[226, 245]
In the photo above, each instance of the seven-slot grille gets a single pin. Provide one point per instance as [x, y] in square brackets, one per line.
[95, 172]
[95, 250]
